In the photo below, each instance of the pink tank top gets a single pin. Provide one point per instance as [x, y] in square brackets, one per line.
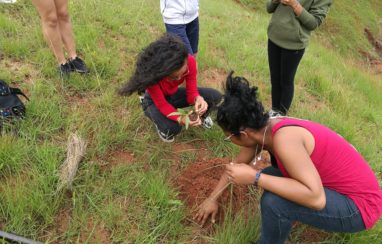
[341, 168]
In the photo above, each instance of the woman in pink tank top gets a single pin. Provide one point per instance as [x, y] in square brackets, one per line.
[317, 177]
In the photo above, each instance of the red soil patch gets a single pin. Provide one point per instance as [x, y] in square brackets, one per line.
[373, 41]
[63, 220]
[202, 153]
[61, 225]
[117, 158]
[199, 179]
[29, 72]
[213, 77]
[375, 62]
[95, 233]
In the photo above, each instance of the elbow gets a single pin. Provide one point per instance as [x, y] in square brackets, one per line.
[312, 27]
[319, 203]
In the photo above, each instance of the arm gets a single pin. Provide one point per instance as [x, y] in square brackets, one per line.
[304, 187]
[272, 5]
[191, 81]
[314, 16]
[210, 206]
[161, 103]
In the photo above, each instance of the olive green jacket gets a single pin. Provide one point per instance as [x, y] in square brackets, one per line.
[293, 32]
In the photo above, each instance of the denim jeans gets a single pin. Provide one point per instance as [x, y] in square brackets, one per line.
[177, 100]
[339, 215]
[189, 33]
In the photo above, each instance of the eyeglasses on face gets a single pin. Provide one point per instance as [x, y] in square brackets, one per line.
[180, 76]
[228, 138]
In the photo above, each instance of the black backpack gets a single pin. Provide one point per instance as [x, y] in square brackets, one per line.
[11, 107]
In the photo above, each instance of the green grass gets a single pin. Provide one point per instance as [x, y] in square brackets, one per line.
[137, 202]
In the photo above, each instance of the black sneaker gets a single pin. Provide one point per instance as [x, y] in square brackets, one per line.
[78, 65]
[64, 70]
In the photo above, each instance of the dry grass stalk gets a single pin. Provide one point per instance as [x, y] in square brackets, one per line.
[75, 151]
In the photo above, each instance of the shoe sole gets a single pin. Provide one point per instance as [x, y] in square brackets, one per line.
[163, 139]
[80, 71]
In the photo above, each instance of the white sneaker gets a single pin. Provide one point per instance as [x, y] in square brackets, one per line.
[207, 122]
[8, 1]
[141, 98]
[274, 114]
[164, 137]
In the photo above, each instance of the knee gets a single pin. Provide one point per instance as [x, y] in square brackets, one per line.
[269, 203]
[63, 16]
[211, 96]
[50, 20]
[174, 129]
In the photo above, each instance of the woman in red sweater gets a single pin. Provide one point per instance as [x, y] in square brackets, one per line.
[318, 179]
[161, 67]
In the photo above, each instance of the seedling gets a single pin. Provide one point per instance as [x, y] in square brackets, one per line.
[189, 115]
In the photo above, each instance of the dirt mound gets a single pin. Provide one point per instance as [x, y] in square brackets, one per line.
[199, 179]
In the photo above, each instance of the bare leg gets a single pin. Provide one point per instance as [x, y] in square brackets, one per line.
[47, 11]
[65, 27]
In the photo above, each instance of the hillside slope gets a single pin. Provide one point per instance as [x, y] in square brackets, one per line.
[124, 190]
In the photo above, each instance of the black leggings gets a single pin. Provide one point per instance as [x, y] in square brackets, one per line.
[283, 65]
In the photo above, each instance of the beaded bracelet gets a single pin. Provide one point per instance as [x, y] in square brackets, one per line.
[257, 177]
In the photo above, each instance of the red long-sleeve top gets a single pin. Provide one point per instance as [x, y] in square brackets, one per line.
[167, 87]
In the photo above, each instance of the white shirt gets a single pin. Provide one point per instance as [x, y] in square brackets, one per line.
[177, 12]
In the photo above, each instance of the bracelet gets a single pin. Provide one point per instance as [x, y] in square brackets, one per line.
[257, 177]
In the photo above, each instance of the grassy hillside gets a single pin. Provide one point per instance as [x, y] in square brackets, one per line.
[123, 189]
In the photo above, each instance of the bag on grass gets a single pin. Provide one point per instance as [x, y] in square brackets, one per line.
[11, 107]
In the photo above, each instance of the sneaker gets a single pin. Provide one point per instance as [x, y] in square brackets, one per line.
[165, 137]
[141, 99]
[274, 114]
[78, 65]
[64, 70]
[207, 122]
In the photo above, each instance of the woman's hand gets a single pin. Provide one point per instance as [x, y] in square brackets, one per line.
[201, 105]
[241, 174]
[182, 121]
[207, 208]
[289, 2]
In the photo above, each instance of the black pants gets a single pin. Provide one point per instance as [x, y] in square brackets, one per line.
[283, 65]
[178, 100]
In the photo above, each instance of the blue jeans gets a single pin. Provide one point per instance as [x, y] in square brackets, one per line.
[339, 215]
[177, 100]
[189, 33]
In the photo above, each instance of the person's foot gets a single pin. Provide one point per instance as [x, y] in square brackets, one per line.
[64, 70]
[165, 137]
[78, 65]
[207, 122]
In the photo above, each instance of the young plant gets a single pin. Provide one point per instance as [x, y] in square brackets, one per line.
[189, 115]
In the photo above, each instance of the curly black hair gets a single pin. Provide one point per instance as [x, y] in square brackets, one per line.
[240, 108]
[156, 61]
